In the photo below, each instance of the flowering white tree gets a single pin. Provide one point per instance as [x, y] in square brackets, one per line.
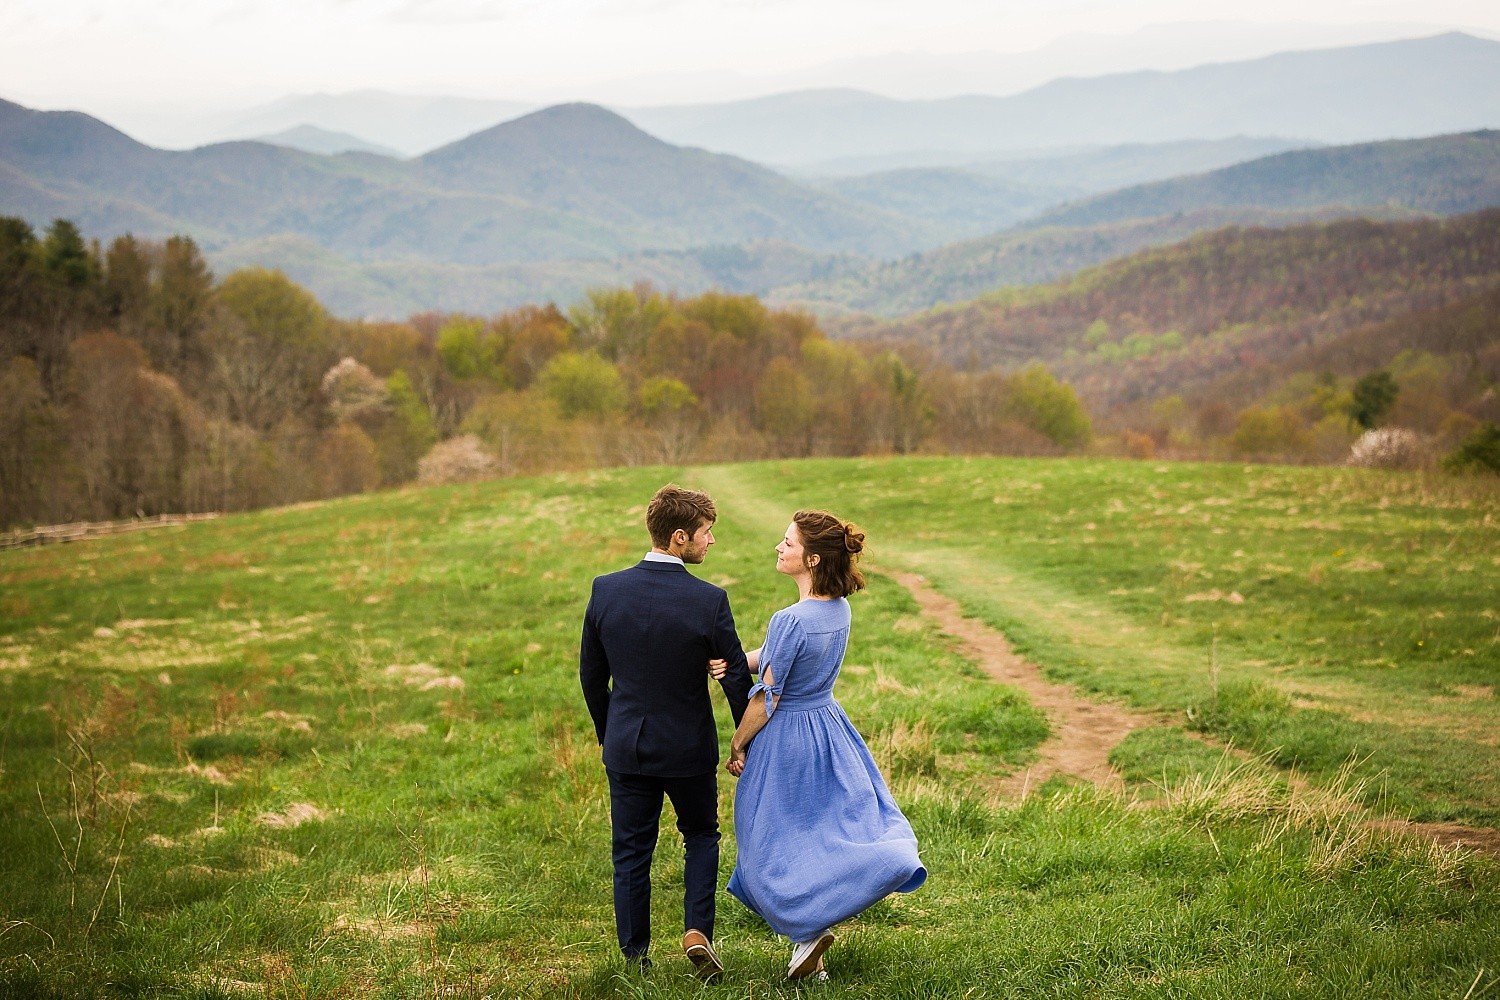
[462, 459]
[1389, 448]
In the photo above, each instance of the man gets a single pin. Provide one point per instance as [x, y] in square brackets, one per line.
[648, 635]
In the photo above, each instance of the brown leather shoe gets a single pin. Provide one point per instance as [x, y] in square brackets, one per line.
[700, 951]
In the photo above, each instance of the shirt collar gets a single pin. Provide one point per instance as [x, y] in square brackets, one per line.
[664, 557]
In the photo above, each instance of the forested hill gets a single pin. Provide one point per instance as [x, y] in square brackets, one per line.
[574, 181]
[1440, 175]
[593, 164]
[1171, 319]
[1445, 175]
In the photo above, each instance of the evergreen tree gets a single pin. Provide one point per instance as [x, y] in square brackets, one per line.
[1374, 395]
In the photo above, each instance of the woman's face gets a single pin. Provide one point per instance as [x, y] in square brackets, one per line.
[789, 555]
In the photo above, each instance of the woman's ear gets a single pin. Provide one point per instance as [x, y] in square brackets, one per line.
[813, 560]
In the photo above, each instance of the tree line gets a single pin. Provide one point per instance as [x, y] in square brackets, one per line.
[134, 382]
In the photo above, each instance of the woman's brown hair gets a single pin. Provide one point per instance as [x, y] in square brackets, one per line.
[837, 544]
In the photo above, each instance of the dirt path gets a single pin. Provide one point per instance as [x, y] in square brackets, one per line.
[1083, 732]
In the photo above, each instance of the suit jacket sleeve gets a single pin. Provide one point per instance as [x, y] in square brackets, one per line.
[736, 681]
[593, 671]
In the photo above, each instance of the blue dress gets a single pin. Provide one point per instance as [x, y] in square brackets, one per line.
[820, 838]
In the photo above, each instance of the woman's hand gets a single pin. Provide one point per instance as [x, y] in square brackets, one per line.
[718, 668]
[752, 722]
[735, 765]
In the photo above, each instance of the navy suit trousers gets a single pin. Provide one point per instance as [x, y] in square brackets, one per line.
[635, 802]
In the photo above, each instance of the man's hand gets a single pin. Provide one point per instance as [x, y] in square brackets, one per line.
[717, 669]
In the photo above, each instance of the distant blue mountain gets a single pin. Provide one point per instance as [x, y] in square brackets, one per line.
[1427, 86]
[1444, 175]
[574, 181]
[311, 139]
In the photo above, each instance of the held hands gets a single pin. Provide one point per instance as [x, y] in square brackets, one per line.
[735, 765]
[717, 669]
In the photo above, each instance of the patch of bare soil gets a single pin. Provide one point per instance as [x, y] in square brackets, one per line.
[1475, 838]
[1084, 732]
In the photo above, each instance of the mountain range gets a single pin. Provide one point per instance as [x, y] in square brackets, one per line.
[558, 200]
[313, 139]
[1446, 83]
[407, 124]
[1392, 180]
[574, 181]
[575, 196]
[1357, 92]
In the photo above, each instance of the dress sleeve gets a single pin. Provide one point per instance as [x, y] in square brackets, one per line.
[784, 640]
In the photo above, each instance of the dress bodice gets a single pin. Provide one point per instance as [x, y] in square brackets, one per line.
[803, 652]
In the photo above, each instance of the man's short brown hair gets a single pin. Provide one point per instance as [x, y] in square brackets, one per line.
[674, 507]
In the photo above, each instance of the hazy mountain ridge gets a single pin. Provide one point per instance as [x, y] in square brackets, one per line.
[835, 285]
[1445, 174]
[591, 162]
[962, 271]
[569, 182]
[990, 196]
[1446, 83]
[410, 124]
[326, 142]
[575, 196]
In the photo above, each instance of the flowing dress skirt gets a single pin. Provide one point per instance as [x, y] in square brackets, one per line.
[819, 836]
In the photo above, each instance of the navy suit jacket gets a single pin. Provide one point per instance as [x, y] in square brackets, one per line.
[648, 635]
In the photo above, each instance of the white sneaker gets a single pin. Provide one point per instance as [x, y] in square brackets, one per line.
[805, 956]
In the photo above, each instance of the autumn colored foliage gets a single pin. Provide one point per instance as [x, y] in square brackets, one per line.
[134, 384]
[1258, 343]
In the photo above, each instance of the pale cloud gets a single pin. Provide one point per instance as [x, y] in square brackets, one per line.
[81, 52]
[459, 12]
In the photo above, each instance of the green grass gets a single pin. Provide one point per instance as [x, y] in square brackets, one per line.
[1315, 613]
[305, 664]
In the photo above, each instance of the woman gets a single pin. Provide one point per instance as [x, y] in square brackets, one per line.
[820, 838]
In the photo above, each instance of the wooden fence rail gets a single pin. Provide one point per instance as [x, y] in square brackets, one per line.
[80, 530]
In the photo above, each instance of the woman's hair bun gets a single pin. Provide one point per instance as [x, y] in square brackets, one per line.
[854, 539]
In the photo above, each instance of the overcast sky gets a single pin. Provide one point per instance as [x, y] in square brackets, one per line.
[99, 54]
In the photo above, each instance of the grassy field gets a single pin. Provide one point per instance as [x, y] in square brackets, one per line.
[339, 750]
[1314, 614]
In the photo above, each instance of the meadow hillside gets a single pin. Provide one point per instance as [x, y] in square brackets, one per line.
[339, 749]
